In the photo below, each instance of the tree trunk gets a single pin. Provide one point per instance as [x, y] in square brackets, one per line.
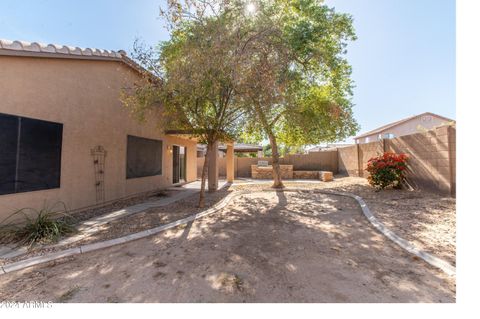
[201, 200]
[277, 177]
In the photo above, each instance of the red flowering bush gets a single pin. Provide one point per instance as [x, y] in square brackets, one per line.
[387, 170]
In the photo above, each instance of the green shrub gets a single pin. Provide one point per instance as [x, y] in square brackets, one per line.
[44, 226]
[387, 170]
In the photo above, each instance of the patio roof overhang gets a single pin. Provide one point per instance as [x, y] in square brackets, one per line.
[186, 134]
[192, 135]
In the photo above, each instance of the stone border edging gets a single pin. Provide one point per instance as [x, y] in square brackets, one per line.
[116, 241]
[430, 259]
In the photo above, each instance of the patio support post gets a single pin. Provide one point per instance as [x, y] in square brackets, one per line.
[230, 163]
[213, 168]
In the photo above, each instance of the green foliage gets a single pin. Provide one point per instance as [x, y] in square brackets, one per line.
[316, 118]
[297, 79]
[278, 73]
[44, 226]
[283, 149]
[197, 71]
[387, 170]
[267, 150]
[251, 155]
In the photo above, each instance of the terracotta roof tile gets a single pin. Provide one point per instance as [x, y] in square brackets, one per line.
[37, 49]
[58, 49]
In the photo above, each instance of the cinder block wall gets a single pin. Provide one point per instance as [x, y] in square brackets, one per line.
[452, 142]
[432, 163]
[367, 151]
[315, 161]
[348, 160]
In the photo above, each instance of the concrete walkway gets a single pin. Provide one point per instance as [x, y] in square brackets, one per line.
[91, 226]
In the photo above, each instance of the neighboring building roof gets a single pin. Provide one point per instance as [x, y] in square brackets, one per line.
[36, 49]
[319, 148]
[385, 127]
[242, 147]
[237, 147]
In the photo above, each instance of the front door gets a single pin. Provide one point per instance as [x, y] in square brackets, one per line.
[179, 164]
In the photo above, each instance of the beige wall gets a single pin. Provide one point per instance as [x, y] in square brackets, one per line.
[415, 125]
[83, 95]
[431, 165]
[432, 158]
[319, 161]
[367, 151]
[348, 160]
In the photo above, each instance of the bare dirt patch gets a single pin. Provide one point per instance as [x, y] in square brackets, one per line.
[428, 220]
[263, 247]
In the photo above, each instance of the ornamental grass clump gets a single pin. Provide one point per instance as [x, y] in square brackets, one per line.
[38, 226]
[387, 170]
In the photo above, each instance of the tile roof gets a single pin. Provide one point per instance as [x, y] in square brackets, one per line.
[385, 127]
[37, 49]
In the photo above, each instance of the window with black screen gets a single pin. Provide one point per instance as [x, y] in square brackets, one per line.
[8, 152]
[144, 157]
[30, 155]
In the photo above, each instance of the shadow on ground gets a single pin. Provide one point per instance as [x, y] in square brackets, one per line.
[264, 247]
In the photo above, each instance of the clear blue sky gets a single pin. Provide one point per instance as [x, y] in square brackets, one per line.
[403, 61]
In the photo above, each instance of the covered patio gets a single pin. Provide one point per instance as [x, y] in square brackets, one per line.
[213, 176]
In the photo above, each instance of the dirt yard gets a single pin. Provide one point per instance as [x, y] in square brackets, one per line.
[426, 219]
[263, 247]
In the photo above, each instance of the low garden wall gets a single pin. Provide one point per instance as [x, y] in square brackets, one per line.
[266, 172]
[306, 174]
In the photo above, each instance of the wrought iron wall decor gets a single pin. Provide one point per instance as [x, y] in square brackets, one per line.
[99, 154]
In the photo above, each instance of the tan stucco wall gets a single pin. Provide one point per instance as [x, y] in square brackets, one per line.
[83, 95]
[415, 125]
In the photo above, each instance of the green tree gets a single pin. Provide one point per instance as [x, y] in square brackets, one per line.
[194, 84]
[296, 84]
[267, 150]
[278, 63]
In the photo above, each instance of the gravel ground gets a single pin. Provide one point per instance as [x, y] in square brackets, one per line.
[426, 219]
[262, 247]
[86, 214]
[154, 217]
[133, 223]
[80, 216]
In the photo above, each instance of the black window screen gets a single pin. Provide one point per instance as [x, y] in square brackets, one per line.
[144, 157]
[30, 154]
[8, 152]
[40, 153]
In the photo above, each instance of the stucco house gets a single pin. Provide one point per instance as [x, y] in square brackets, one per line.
[411, 125]
[65, 135]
